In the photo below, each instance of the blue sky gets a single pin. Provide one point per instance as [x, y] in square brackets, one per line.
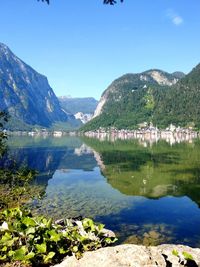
[83, 45]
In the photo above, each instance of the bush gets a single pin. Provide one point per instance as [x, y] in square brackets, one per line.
[40, 241]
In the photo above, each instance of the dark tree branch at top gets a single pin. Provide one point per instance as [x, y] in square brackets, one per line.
[45, 1]
[110, 2]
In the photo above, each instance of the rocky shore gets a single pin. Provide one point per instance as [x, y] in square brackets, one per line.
[137, 256]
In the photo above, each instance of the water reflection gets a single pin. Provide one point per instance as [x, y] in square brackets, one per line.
[152, 172]
[145, 137]
[146, 194]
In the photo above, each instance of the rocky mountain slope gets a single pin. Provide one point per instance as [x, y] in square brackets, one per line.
[26, 95]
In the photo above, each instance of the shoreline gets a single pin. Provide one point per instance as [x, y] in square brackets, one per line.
[149, 135]
[129, 255]
[145, 136]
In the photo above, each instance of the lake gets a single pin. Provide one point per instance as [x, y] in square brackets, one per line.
[146, 193]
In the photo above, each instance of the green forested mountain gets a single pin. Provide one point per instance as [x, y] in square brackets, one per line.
[26, 95]
[132, 99]
[152, 96]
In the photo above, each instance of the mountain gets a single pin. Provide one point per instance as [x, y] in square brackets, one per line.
[134, 82]
[132, 99]
[178, 74]
[26, 95]
[181, 103]
[85, 105]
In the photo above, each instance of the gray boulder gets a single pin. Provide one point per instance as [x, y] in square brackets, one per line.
[136, 256]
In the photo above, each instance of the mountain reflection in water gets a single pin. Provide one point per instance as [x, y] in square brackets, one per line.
[147, 195]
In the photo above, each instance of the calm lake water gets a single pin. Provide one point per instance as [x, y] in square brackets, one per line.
[145, 194]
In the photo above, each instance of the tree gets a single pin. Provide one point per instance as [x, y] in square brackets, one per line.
[111, 2]
[3, 119]
[107, 2]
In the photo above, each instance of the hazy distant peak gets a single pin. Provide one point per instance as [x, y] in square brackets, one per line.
[71, 97]
[78, 104]
[65, 97]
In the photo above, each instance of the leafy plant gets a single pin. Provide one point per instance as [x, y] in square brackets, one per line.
[187, 256]
[38, 240]
[175, 252]
[184, 258]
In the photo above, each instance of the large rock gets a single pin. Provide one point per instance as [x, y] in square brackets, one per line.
[135, 256]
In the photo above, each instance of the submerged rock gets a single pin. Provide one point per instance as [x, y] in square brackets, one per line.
[136, 256]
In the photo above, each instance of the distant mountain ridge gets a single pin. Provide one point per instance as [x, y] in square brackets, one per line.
[86, 105]
[26, 95]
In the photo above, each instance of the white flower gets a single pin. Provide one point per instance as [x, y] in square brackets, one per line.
[4, 226]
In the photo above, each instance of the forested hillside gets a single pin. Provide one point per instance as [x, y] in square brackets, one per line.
[137, 98]
[145, 97]
[180, 104]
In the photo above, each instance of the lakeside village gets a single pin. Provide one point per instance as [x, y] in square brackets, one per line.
[145, 131]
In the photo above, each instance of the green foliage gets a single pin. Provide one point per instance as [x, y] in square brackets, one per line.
[179, 104]
[38, 240]
[175, 252]
[3, 119]
[127, 106]
[15, 187]
[149, 100]
[187, 256]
